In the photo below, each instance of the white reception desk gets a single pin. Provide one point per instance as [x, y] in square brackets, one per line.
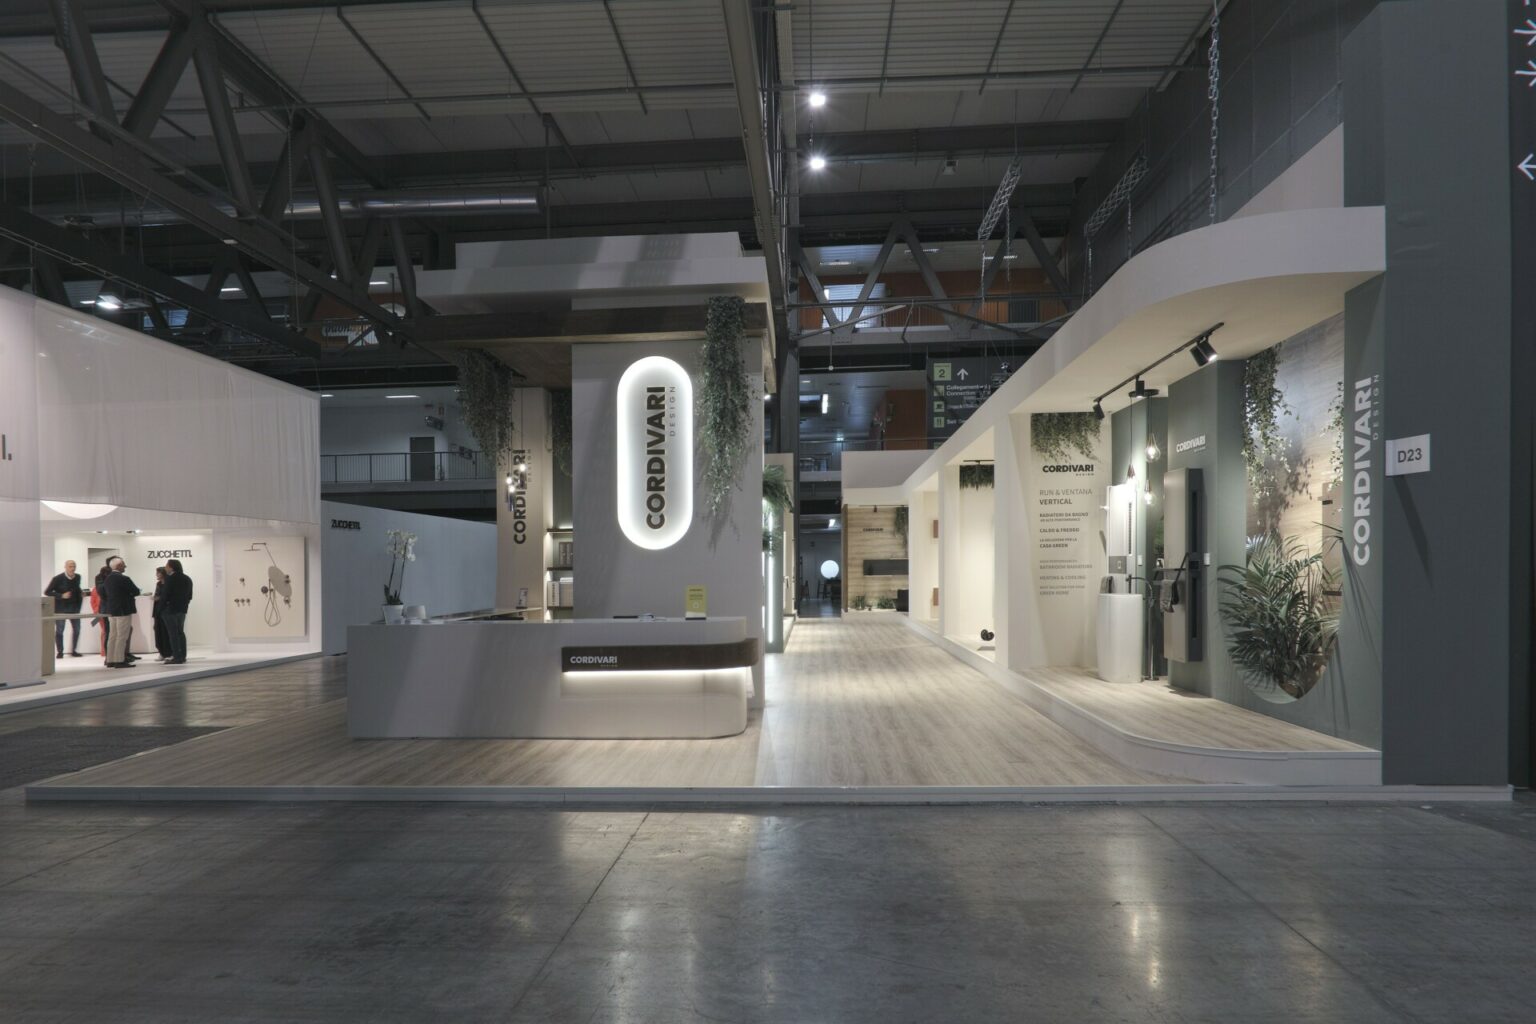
[579, 679]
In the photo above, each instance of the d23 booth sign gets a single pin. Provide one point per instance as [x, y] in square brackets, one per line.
[655, 452]
[264, 588]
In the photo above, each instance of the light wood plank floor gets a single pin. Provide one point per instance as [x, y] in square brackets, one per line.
[850, 704]
[1158, 710]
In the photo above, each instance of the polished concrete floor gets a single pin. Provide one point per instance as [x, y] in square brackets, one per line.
[360, 912]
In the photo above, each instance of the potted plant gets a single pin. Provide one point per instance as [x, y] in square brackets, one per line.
[1282, 624]
[402, 549]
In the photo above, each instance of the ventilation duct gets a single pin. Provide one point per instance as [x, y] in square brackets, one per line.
[363, 204]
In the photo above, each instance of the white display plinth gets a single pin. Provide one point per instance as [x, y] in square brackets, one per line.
[1121, 622]
[497, 678]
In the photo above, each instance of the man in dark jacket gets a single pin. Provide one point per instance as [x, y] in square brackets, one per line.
[67, 594]
[117, 604]
[177, 597]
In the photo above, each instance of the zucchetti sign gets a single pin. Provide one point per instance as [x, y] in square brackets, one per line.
[655, 452]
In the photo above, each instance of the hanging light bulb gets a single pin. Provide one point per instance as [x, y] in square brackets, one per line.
[1153, 451]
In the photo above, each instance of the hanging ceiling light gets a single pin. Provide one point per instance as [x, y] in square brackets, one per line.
[817, 98]
[1153, 451]
[1141, 390]
[818, 163]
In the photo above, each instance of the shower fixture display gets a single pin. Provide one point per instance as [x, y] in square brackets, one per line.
[266, 595]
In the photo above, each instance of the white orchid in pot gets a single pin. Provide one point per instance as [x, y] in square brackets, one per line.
[402, 549]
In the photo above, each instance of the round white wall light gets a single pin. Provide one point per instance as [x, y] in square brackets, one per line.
[829, 570]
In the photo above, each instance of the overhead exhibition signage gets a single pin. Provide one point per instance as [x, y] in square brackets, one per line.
[655, 452]
[957, 387]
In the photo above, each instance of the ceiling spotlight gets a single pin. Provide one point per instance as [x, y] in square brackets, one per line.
[110, 303]
[1098, 409]
[1141, 390]
[818, 163]
[326, 394]
[817, 98]
[1153, 451]
[826, 403]
[522, 467]
[1202, 351]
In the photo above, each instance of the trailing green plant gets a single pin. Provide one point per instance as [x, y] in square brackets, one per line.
[1274, 461]
[486, 386]
[560, 429]
[975, 475]
[860, 603]
[899, 522]
[724, 401]
[1281, 622]
[886, 603]
[1057, 435]
[1336, 433]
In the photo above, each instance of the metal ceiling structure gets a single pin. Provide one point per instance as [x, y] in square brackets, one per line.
[145, 144]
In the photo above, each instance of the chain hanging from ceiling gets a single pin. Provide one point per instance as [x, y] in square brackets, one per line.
[1213, 92]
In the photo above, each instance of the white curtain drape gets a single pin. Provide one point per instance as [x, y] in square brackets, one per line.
[130, 420]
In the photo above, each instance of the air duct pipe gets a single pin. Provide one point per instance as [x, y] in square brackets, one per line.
[103, 213]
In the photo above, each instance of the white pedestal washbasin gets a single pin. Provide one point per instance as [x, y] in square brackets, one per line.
[1122, 619]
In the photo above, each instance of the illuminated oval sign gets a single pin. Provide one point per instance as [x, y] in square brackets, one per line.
[655, 452]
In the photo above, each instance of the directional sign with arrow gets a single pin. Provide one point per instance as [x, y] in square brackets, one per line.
[957, 387]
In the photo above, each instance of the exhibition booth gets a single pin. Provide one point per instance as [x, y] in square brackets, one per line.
[117, 443]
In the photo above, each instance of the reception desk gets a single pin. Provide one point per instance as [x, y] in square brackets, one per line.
[577, 679]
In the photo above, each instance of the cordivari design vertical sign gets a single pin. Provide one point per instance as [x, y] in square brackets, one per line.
[655, 452]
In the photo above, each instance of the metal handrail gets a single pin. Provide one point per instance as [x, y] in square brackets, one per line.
[406, 467]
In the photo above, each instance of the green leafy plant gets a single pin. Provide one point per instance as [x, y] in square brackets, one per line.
[899, 521]
[560, 429]
[860, 603]
[1336, 432]
[975, 476]
[1276, 468]
[724, 401]
[1282, 624]
[486, 385]
[1056, 436]
[776, 490]
[886, 603]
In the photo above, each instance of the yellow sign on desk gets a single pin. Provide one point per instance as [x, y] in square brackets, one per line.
[697, 603]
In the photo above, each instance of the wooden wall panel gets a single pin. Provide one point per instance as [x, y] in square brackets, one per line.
[871, 533]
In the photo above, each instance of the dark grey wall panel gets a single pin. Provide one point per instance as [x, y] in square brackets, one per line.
[1281, 93]
[1435, 148]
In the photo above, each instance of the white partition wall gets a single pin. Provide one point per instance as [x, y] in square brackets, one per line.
[923, 555]
[20, 591]
[454, 571]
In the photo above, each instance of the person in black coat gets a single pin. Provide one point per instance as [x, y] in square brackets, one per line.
[162, 636]
[67, 593]
[117, 604]
[178, 598]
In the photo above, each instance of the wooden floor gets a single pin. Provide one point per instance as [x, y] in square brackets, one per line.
[849, 704]
[1158, 711]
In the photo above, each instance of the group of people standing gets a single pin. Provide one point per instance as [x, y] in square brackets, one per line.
[112, 599]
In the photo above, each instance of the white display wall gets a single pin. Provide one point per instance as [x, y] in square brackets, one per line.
[969, 551]
[454, 571]
[165, 441]
[265, 587]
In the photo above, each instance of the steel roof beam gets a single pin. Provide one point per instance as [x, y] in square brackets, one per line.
[226, 134]
[160, 82]
[74, 34]
[53, 240]
[630, 68]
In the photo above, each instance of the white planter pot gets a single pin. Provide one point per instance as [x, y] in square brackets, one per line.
[393, 613]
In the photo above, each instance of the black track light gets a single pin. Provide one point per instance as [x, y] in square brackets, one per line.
[1141, 390]
[1098, 410]
[1202, 352]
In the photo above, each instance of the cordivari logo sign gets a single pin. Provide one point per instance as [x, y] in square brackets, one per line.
[655, 452]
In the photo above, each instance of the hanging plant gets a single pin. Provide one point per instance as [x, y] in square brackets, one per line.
[1056, 436]
[899, 522]
[975, 476]
[1272, 460]
[724, 402]
[1335, 433]
[560, 429]
[485, 396]
[1282, 624]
